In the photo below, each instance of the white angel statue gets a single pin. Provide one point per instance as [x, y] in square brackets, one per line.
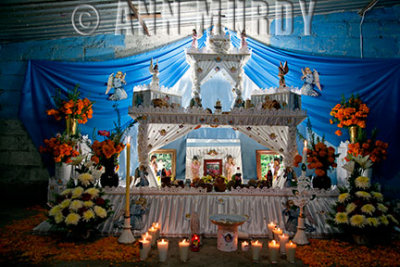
[155, 81]
[117, 82]
[310, 79]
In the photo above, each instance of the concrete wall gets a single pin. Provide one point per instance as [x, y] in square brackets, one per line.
[334, 34]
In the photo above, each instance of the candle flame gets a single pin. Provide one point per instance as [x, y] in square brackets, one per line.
[128, 140]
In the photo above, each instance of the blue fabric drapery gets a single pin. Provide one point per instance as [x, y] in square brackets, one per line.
[377, 81]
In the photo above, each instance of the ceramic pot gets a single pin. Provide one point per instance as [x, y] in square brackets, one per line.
[322, 182]
[109, 177]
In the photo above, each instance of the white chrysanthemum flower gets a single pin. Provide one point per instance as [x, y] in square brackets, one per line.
[76, 205]
[363, 194]
[362, 182]
[94, 192]
[357, 220]
[65, 203]
[86, 179]
[55, 210]
[393, 219]
[88, 204]
[373, 222]
[66, 192]
[59, 218]
[384, 220]
[77, 192]
[368, 209]
[350, 208]
[341, 217]
[102, 213]
[382, 208]
[378, 196]
[88, 215]
[72, 219]
[343, 197]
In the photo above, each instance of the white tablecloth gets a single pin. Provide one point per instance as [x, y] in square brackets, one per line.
[172, 208]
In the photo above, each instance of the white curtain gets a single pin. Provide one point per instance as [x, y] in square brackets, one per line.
[201, 148]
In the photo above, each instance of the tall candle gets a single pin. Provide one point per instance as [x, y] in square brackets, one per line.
[283, 239]
[273, 248]
[277, 232]
[162, 246]
[256, 247]
[148, 237]
[153, 232]
[144, 246]
[305, 151]
[128, 161]
[290, 251]
[245, 246]
[271, 227]
[184, 250]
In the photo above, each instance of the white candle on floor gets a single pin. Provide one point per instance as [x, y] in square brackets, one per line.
[245, 246]
[283, 239]
[273, 248]
[271, 227]
[144, 246]
[256, 247]
[290, 251]
[184, 250]
[153, 232]
[162, 246]
[148, 237]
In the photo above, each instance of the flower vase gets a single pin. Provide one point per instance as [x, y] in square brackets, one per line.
[72, 126]
[322, 182]
[109, 177]
[353, 130]
[62, 173]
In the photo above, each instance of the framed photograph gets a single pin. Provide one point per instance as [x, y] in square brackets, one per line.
[163, 159]
[212, 167]
[264, 159]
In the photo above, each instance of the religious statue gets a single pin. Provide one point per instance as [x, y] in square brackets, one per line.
[229, 167]
[293, 212]
[239, 102]
[117, 82]
[138, 209]
[290, 176]
[195, 37]
[310, 79]
[278, 179]
[141, 176]
[243, 43]
[195, 167]
[155, 81]
[153, 162]
[283, 70]
[196, 101]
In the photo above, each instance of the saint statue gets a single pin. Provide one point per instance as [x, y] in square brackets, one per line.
[229, 167]
[243, 43]
[310, 79]
[283, 70]
[195, 37]
[117, 82]
[195, 167]
[155, 81]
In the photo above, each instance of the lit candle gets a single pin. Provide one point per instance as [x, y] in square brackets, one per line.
[277, 232]
[245, 246]
[158, 227]
[148, 237]
[153, 233]
[283, 239]
[271, 227]
[256, 247]
[273, 248]
[144, 246]
[305, 151]
[290, 251]
[184, 250]
[162, 246]
[128, 161]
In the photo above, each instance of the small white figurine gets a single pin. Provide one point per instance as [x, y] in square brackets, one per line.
[117, 82]
[155, 81]
[195, 37]
[243, 43]
[310, 79]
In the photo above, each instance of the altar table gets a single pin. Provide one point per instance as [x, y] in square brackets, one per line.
[172, 207]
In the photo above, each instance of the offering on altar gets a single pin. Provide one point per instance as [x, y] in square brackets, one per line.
[162, 247]
[273, 248]
[290, 251]
[144, 247]
[184, 250]
[283, 239]
[311, 79]
[117, 82]
[256, 247]
[195, 243]
[227, 236]
[283, 70]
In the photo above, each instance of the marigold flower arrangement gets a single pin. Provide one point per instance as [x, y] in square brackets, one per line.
[61, 148]
[376, 150]
[348, 113]
[80, 208]
[72, 108]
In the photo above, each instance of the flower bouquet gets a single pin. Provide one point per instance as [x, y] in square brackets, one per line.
[73, 110]
[61, 148]
[80, 209]
[350, 114]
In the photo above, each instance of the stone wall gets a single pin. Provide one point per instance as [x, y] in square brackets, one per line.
[335, 34]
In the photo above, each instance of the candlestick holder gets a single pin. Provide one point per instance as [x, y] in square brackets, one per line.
[126, 236]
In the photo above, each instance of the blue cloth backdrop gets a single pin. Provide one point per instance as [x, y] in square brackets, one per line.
[377, 81]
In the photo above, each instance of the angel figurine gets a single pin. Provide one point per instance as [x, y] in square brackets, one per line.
[155, 81]
[283, 70]
[195, 37]
[117, 82]
[243, 43]
[310, 79]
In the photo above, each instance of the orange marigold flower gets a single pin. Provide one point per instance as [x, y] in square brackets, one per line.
[338, 133]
